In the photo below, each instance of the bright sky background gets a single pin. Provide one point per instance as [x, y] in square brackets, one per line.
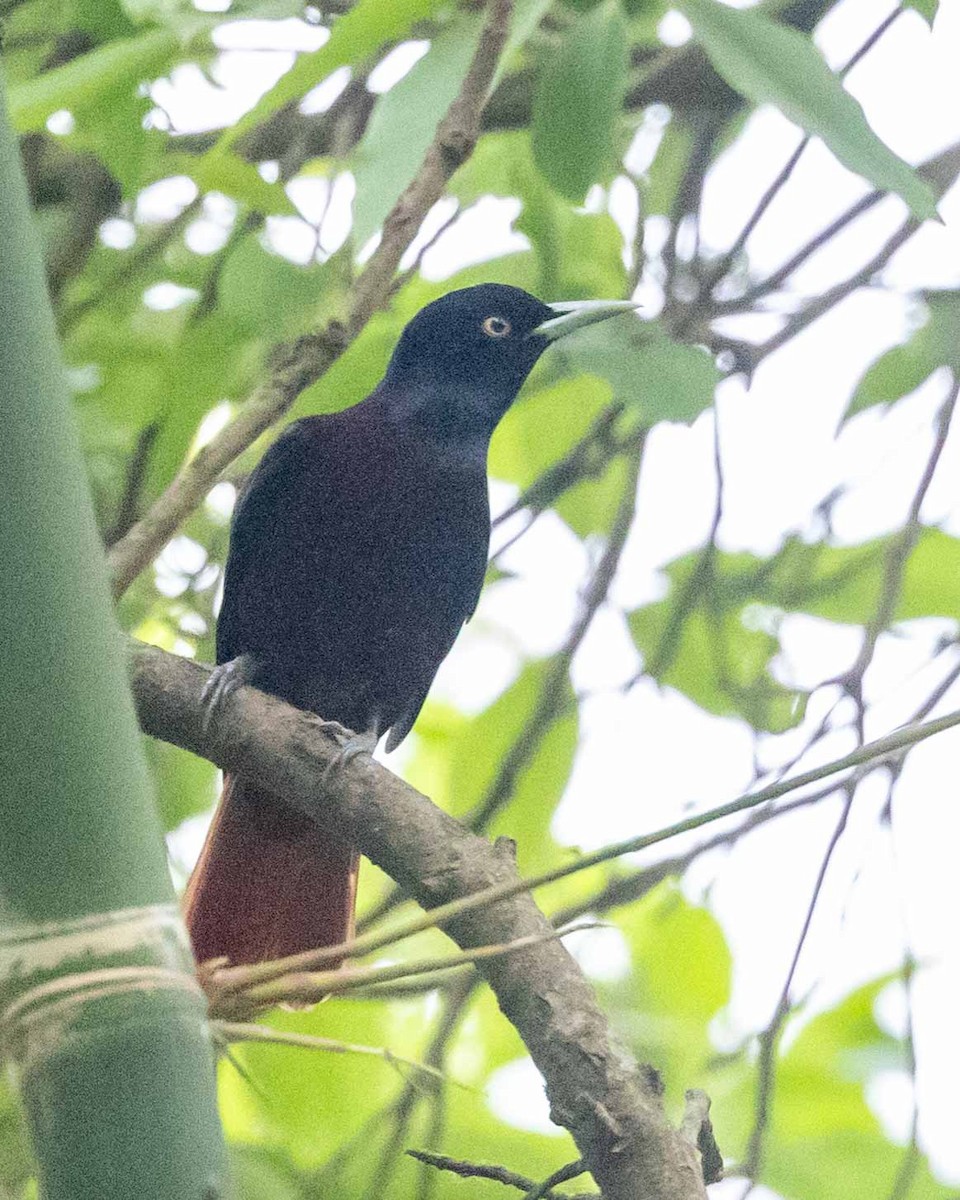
[646, 756]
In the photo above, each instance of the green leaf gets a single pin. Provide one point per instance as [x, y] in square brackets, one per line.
[819, 1105]
[662, 379]
[718, 662]
[838, 583]
[579, 96]
[771, 63]
[926, 8]
[113, 69]
[936, 343]
[185, 784]
[478, 755]
[356, 35]
[264, 295]
[404, 123]
[233, 177]
[542, 428]
[664, 1007]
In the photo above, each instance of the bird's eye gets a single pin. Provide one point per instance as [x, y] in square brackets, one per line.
[497, 327]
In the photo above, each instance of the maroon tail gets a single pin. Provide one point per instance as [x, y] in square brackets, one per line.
[269, 882]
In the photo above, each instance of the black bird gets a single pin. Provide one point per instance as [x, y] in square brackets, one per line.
[357, 552]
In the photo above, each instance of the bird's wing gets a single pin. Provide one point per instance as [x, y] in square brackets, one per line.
[255, 528]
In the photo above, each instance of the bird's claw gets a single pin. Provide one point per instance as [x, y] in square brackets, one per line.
[224, 679]
[355, 745]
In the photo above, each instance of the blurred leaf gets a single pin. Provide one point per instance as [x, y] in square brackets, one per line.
[16, 1159]
[185, 785]
[722, 654]
[578, 99]
[926, 8]
[822, 1128]
[770, 63]
[404, 122]
[661, 379]
[367, 26]
[261, 1173]
[262, 294]
[666, 171]
[542, 428]
[111, 71]
[479, 752]
[234, 177]
[664, 1007]
[904, 368]
[719, 663]
[844, 583]
[105, 19]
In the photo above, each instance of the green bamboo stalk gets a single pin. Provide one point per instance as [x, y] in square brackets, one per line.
[100, 1015]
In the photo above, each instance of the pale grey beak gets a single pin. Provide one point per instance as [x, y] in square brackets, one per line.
[575, 314]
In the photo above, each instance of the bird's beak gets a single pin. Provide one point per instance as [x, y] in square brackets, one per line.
[575, 314]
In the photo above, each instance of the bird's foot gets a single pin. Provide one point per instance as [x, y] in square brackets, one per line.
[224, 679]
[355, 745]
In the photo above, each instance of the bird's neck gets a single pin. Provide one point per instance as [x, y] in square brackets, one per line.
[461, 419]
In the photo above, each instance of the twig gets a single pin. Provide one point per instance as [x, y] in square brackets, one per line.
[909, 1164]
[235, 1031]
[770, 1038]
[306, 360]
[821, 305]
[468, 1170]
[132, 264]
[410, 1098]
[230, 994]
[570, 1171]
[136, 475]
[900, 549]
[940, 170]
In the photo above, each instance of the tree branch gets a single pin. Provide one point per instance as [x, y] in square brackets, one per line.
[303, 362]
[611, 1107]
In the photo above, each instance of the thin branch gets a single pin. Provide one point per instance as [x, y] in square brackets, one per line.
[231, 996]
[298, 365]
[468, 1170]
[821, 305]
[770, 1038]
[235, 1031]
[940, 170]
[138, 258]
[901, 548]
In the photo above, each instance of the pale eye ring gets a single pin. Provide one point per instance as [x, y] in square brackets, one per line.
[498, 327]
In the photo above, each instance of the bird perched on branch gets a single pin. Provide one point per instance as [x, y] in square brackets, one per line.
[357, 552]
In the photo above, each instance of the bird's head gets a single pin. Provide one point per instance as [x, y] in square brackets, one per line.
[464, 358]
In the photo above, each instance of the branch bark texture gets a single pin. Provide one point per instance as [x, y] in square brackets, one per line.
[612, 1108]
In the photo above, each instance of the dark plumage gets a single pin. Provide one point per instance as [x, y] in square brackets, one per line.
[357, 551]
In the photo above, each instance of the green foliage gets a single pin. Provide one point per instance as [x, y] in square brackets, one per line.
[148, 367]
[822, 1128]
[667, 1001]
[926, 8]
[935, 343]
[578, 101]
[769, 63]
